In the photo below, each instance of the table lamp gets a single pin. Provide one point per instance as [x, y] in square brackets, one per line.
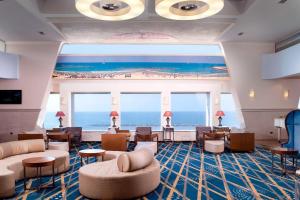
[168, 114]
[114, 114]
[60, 114]
[220, 114]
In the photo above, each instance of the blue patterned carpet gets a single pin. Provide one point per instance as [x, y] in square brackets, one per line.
[187, 173]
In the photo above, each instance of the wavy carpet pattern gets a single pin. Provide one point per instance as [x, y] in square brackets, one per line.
[187, 173]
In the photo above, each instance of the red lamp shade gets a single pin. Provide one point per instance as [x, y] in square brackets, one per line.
[220, 113]
[168, 114]
[60, 114]
[114, 114]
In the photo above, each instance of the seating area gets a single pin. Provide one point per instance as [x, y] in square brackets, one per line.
[149, 99]
[206, 177]
[13, 153]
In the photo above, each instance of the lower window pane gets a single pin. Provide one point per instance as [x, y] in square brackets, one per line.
[91, 111]
[189, 110]
[140, 109]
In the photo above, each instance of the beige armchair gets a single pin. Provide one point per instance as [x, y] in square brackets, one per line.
[144, 134]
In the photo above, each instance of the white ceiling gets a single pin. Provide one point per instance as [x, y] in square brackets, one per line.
[260, 20]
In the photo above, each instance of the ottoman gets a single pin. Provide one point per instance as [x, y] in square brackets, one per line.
[148, 145]
[214, 146]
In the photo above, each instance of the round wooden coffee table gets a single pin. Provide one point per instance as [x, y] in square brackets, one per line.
[284, 153]
[87, 153]
[38, 163]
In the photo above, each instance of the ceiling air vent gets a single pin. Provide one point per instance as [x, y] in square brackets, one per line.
[287, 42]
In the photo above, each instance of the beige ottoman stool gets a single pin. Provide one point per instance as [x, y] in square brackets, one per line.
[148, 145]
[64, 146]
[214, 146]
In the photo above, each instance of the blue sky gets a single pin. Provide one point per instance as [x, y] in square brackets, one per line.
[140, 102]
[188, 102]
[92, 102]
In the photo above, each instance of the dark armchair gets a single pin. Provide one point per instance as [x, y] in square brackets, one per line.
[75, 133]
[30, 136]
[200, 131]
[144, 134]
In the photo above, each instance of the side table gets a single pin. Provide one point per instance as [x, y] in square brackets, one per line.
[38, 163]
[87, 153]
[284, 153]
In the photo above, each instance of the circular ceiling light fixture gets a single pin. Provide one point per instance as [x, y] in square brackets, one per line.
[111, 10]
[188, 9]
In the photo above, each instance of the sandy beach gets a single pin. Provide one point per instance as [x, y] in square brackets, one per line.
[137, 75]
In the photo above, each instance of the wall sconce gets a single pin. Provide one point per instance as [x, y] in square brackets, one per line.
[251, 93]
[286, 94]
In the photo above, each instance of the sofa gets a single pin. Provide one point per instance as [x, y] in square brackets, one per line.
[120, 176]
[11, 168]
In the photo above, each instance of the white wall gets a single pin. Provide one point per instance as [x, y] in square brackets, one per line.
[282, 64]
[9, 66]
[37, 61]
[244, 61]
[2, 46]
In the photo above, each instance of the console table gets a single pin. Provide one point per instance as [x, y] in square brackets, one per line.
[171, 132]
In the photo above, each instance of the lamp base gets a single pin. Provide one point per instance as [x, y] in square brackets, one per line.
[220, 121]
[114, 122]
[60, 122]
[168, 122]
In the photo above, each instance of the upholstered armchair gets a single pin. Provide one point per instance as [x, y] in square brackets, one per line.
[114, 142]
[59, 141]
[200, 130]
[241, 142]
[30, 136]
[144, 134]
[76, 133]
[292, 123]
[226, 130]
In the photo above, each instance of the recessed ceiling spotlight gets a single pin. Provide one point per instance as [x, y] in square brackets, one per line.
[188, 9]
[42, 33]
[110, 10]
[282, 1]
[240, 33]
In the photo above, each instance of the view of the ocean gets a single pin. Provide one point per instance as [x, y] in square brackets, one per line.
[130, 120]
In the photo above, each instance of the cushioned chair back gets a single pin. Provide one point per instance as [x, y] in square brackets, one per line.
[292, 123]
[30, 136]
[76, 133]
[114, 142]
[200, 129]
[144, 130]
[221, 129]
